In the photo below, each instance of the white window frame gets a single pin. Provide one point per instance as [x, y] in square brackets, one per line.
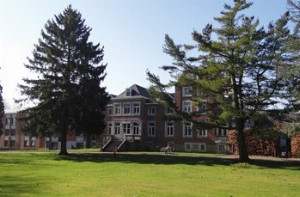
[203, 107]
[117, 128]
[136, 126]
[190, 147]
[169, 130]
[136, 108]
[151, 110]
[187, 129]
[117, 109]
[126, 106]
[187, 106]
[221, 132]
[126, 129]
[110, 128]
[128, 92]
[151, 128]
[202, 133]
[186, 91]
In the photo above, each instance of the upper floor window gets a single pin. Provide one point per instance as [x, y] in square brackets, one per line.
[221, 132]
[6, 132]
[168, 111]
[136, 108]
[187, 106]
[7, 121]
[169, 129]
[117, 110]
[202, 133]
[202, 107]
[187, 91]
[13, 132]
[109, 112]
[187, 129]
[151, 110]
[14, 121]
[126, 108]
[151, 128]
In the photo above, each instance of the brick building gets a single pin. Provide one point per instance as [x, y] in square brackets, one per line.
[13, 137]
[134, 122]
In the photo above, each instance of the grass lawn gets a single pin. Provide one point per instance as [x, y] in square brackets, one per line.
[92, 174]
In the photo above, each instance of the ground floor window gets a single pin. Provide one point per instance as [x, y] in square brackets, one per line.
[169, 129]
[12, 143]
[6, 143]
[126, 128]
[136, 128]
[221, 148]
[151, 128]
[26, 143]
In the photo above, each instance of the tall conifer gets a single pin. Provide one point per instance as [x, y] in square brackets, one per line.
[234, 74]
[67, 87]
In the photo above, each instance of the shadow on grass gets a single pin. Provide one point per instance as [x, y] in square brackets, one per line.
[169, 160]
[14, 186]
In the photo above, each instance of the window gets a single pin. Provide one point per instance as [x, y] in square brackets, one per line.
[117, 109]
[151, 111]
[195, 147]
[151, 128]
[136, 108]
[202, 133]
[6, 132]
[26, 143]
[168, 111]
[221, 132]
[126, 108]
[169, 129]
[187, 129]
[187, 91]
[202, 107]
[128, 92]
[12, 143]
[187, 146]
[187, 106]
[222, 148]
[126, 128]
[109, 112]
[117, 128]
[7, 121]
[110, 127]
[6, 143]
[32, 143]
[13, 132]
[14, 121]
[136, 128]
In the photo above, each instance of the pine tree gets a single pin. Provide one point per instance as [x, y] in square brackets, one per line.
[1, 111]
[67, 87]
[235, 73]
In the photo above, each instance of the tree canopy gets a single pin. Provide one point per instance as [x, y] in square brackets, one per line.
[66, 89]
[235, 73]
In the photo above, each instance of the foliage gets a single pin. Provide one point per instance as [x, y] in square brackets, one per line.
[291, 128]
[48, 174]
[1, 111]
[66, 88]
[235, 72]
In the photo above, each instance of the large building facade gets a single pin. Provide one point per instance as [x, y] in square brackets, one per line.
[134, 122]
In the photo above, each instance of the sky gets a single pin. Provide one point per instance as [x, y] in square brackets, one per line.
[131, 31]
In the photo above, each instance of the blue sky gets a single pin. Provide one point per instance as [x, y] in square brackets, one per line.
[131, 31]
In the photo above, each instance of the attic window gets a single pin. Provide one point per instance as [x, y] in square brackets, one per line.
[128, 92]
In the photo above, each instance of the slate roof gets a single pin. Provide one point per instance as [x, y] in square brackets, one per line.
[136, 92]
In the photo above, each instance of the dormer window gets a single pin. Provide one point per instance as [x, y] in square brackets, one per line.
[128, 92]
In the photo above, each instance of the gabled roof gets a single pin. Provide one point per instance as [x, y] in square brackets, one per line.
[136, 92]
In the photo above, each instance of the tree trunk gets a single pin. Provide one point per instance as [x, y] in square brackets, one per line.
[88, 140]
[243, 154]
[63, 144]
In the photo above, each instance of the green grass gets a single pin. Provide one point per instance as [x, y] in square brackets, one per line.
[83, 174]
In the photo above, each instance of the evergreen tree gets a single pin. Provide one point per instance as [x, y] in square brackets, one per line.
[1, 111]
[67, 87]
[292, 72]
[235, 73]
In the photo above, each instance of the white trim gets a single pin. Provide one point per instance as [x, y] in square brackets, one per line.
[187, 130]
[172, 129]
[133, 107]
[153, 113]
[186, 91]
[148, 128]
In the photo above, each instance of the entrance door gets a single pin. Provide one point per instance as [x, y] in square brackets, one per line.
[117, 131]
